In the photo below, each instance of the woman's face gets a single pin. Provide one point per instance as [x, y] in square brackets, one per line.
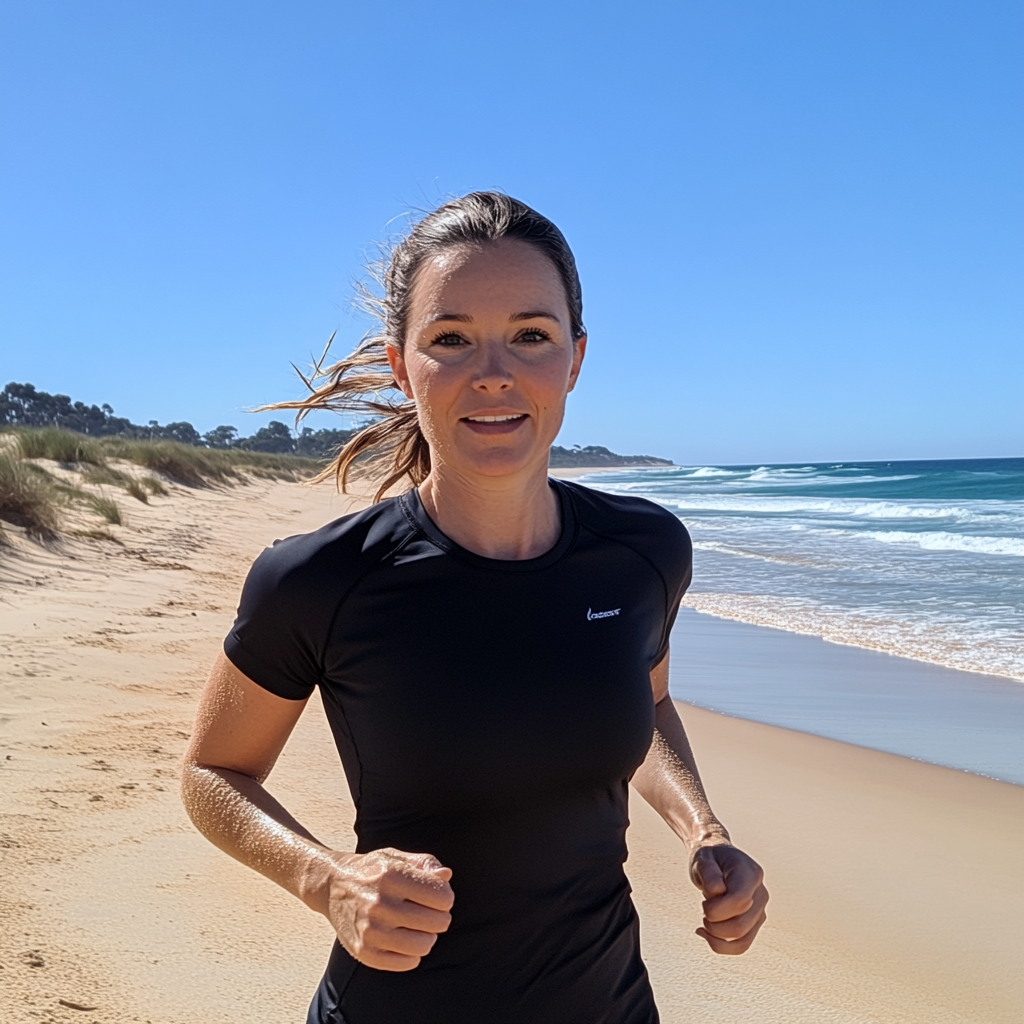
[489, 357]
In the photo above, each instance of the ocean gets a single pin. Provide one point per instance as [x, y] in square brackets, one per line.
[923, 560]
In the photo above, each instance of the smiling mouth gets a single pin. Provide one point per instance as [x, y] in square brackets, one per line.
[503, 424]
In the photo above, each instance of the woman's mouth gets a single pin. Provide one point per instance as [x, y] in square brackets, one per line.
[501, 424]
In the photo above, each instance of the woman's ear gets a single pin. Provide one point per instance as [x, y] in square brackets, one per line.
[579, 351]
[397, 363]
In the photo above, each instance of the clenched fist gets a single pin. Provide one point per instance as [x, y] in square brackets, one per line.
[734, 897]
[388, 907]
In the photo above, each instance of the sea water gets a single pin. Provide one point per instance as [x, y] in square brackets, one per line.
[923, 560]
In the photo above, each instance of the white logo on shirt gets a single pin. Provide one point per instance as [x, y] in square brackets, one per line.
[591, 614]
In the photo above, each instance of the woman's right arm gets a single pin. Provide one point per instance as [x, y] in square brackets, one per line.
[387, 907]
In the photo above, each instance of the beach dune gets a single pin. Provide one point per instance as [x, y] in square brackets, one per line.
[897, 892]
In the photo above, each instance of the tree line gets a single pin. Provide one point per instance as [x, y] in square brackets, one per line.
[22, 405]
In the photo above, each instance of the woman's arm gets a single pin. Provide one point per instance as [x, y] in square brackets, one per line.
[732, 883]
[387, 907]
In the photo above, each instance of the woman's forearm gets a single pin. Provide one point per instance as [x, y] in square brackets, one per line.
[240, 817]
[669, 781]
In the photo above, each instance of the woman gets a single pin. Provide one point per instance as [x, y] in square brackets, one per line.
[492, 651]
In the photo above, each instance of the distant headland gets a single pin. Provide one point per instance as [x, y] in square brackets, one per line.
[594, 456]
[22, 405]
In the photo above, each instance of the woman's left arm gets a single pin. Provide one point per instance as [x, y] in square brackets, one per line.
[732, 882]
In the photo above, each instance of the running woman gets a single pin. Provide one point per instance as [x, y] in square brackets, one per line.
[492, 650]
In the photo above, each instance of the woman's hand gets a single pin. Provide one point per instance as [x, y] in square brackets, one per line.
[734, 897]
[388, 907]
[732, 883]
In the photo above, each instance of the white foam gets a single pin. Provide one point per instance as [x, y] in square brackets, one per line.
[944, 541]
[706, 471]
[844, 507]
[973, 647]
[761, 556]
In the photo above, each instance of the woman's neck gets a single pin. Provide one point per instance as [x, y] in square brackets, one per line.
[511, 518]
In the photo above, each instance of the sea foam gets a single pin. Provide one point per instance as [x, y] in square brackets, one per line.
[920, 559]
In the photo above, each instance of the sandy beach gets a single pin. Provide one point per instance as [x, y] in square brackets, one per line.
[897, 886]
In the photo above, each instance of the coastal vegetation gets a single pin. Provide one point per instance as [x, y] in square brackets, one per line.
[54, 481]
[61, 460]
[23, 405]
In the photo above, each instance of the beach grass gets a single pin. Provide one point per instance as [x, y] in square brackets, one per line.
[201, 467]
[58, 445]
[28, 497]
[34, 497]
[106, 474]
[137, 491]
[106, 508]
[151, 485]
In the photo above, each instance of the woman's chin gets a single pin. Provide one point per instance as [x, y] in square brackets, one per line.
[502, 460]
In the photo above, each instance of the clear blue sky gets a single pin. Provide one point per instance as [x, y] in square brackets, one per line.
[800, 225]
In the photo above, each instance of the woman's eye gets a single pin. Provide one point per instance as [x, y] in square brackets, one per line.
[449, 340]
[533, 336]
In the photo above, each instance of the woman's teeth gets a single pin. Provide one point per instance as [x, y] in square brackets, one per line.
[495, 419]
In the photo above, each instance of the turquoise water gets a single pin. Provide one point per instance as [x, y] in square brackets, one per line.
[923, 560]
[919, 559]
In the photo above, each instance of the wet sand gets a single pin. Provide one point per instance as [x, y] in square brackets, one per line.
[897, 892]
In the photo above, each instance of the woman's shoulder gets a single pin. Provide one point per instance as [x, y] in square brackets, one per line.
[651, 529]
[335, 550]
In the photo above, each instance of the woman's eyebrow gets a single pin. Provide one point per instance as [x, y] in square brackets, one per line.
[462, 318]
[465, 318]
[533, 314]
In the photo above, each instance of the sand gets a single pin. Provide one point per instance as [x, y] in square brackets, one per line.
[897, 892]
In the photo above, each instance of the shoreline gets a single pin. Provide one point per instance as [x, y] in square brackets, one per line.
[571, 472]
[790, 616]
[967, 721]
[113, 900]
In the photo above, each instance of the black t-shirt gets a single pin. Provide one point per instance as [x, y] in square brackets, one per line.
[490, 713]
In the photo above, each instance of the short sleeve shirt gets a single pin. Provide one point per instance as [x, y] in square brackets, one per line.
[490, 713]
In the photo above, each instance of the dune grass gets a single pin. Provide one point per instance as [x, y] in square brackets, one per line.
[28, 498]
[137, 491]
[108, 475]
[58, 445]
[106, 508]
[201, 467]
[104, 474]
[33, 498]
[97, 533]
[151, 485]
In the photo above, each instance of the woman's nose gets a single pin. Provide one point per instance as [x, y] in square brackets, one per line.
[493, 375]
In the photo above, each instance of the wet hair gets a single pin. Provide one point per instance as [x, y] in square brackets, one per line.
[391, 446]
